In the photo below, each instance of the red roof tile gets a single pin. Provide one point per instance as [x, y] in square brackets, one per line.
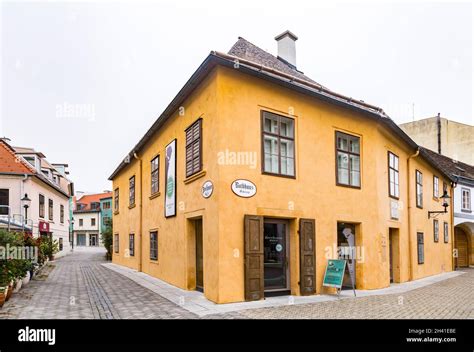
[10, 163]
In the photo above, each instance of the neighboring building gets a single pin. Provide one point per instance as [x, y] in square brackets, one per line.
[463, 207]
[106, 212]
[255, 175]
[27, 179]
[450, 138]
[89, 213]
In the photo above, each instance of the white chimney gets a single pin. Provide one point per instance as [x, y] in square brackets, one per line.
[286, 47]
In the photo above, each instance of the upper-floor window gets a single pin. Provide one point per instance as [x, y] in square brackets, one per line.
[95, 205]
[81, 222]
[41, 206]
[348, 159]
[92, 222]
[131, 191]
[194, 148]
[393, 175]
[278, 139]
[61, 214]
[419, 189]
[155, 175]
[106, 205]
[436, 230]
[50, 209]
[4, 201]
[107, 220]
[116, 199]
[435, 186]
[465, 199]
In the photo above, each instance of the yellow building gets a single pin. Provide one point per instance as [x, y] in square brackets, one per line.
[255, 175]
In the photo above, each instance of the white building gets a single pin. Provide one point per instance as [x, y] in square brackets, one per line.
[34, 196]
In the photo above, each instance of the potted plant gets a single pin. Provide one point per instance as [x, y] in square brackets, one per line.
[3, 284]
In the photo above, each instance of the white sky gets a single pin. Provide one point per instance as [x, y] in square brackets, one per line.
[127, 60]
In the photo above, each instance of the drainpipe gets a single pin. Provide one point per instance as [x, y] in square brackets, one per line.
[451, 216]
[140, 210]
[410, 230]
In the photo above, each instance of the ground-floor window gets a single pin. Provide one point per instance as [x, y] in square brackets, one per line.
[60, 244]
[131, 245]
[116, 243]
[154, 245]
[446, 236]
[421, 248]
[81, 239]
[436, 230]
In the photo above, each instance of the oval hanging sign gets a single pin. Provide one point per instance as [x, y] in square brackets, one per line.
[207, 189]
[244, 188]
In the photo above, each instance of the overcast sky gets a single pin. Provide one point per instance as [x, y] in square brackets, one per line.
[121, 63]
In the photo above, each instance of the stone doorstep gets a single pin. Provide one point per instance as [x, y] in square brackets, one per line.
[195, 301]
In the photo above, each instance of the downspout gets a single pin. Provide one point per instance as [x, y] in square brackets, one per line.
[140, 210]
[451, 216]
[410, 230]
[438, 123]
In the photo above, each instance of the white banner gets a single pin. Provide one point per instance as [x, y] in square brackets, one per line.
[170, 179]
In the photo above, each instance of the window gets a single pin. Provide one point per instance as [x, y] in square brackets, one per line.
[465, 199]
[92, 222]
[193, 148]
[81, 222]
[435, 187]
[155, 175]
[436, 230]
[445, 232]
[61, 214]
[116, 243]
[106, 205]
[394, 187]
[107, 220]
[154, 245]
[4, 201]
[348, 160]
[95, 205]
[41, 206]
[60, 244]
[131, 191]
[278, 138]
[421, 248]
[116, 200]
[50, 209]
[419, 189]
[131, 244]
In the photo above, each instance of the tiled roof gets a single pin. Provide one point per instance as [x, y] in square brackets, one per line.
[10, 163]
[92, 198]
[453, 167]
[248, 51]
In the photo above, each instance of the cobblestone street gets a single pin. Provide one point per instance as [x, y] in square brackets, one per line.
[79, 287]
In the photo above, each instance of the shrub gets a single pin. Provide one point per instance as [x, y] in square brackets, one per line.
[107, 240]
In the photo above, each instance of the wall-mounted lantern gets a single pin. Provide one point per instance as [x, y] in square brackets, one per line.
[445, 197]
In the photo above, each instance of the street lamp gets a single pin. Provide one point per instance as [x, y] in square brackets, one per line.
[26, 204]
[445, 197]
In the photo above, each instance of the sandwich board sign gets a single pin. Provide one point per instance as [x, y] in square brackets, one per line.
[334, 275]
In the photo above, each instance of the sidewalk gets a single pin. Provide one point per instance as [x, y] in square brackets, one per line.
[195, 302]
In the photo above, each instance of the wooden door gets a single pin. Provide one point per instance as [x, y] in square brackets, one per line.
[253, 261]
[199, 256]
[307, 256]
[462, 259]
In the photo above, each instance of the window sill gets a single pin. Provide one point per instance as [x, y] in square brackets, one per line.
[132, 206]
[195, 177]
[152, 261]
[278, 175]
[436, 199]
[348, 186]
[154, 195]
[116, 212]
[466, 211]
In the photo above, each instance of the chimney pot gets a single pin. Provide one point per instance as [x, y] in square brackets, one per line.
[286, 47]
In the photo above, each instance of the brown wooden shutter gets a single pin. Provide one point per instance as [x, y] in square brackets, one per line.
[253, 230]
[307, 257]
[193, 148]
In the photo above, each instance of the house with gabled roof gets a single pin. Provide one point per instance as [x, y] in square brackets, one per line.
[255, 175]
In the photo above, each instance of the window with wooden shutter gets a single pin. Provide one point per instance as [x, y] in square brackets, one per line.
[194, 148]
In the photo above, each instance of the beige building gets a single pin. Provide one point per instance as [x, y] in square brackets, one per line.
[447, 137]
